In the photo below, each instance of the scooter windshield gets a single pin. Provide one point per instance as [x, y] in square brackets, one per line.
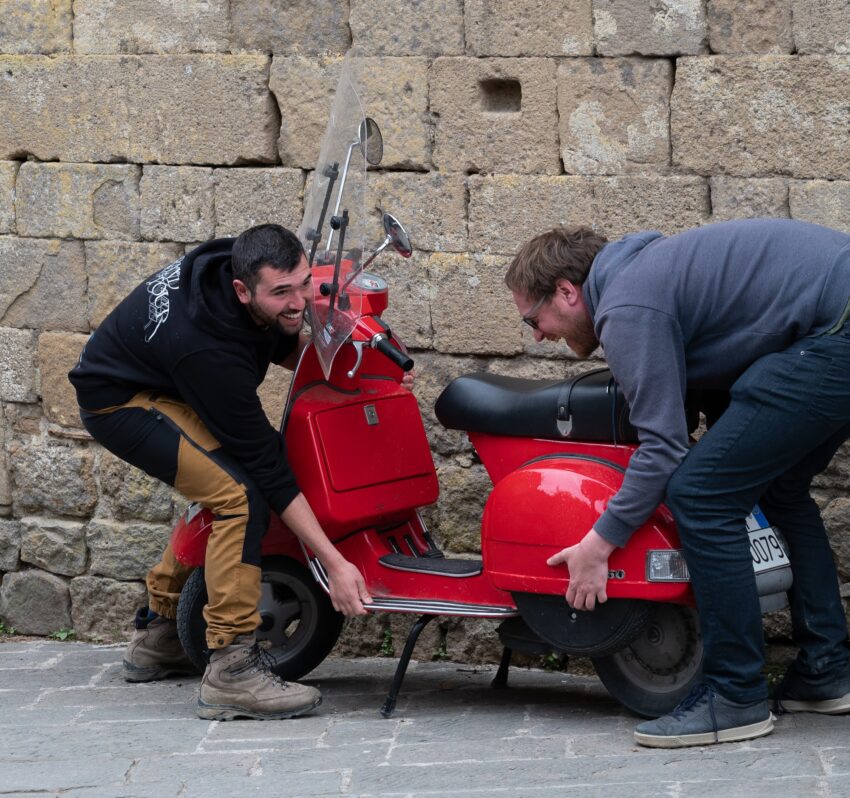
[333, 230]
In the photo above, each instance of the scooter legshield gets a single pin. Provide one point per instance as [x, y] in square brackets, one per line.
[551, 503]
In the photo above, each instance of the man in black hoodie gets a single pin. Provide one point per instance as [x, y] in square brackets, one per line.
[168, 383]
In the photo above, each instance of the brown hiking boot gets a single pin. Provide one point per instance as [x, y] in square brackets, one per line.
[239, 683]
[155, 651]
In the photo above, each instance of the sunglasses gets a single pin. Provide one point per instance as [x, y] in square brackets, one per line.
[529, 317]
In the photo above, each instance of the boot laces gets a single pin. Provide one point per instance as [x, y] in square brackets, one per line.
[258, 660]
[698, 694]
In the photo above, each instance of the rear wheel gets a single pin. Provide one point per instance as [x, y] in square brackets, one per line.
[297, 620]
[653, 673]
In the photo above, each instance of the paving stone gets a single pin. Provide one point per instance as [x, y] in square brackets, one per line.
[53, 774]
[36, 26]
[397, 27]
[666, 27]
[136, 108]
[821, 27]
[824, 202]
[495, 115]
[750, 26]
[78, 200]
[33, 272]
[247, 197]
[762, 115]
[8, 174]
[151, 26]
[290, 27]
[614, 115]
[528, 28]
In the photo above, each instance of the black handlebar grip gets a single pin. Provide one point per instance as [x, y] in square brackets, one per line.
[403, 361]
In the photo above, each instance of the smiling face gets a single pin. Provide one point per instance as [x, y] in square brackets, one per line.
[279, 298]
[561, 315]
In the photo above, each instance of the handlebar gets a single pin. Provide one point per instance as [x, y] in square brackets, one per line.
[401, 359]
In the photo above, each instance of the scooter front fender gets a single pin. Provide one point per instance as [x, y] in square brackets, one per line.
[550, 503]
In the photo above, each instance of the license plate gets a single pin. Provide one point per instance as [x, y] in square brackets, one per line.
[766, 548]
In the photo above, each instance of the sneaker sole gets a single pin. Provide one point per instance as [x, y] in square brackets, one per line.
[226, 712]
[707, 738]
[832, 706]
[136, 673]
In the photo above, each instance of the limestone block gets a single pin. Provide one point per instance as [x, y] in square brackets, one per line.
[35, 602]
[836, 519]
[463, 493]
[36, 26]
[401, 27]
[103, 609]
[393, 91]
[528, 27]
[58, 353]
[821, 201]
[473, 640]
[495, 115]
[409, 311]
[178, 203]
[290, 27]
[151, 26]
[742, 198]
[5, 482]
[471, 308]
[8, 174]
[51, 476]
[21, 420]
[768, 114]
[750, 26]
[822, 26]
[78, 200]
[188, 109]
[131, 493]
[661, 27]
[10, 544]
[42, 284]
[273, 392]
[432, 207]
[836, 477]
[54, 545]
[18, 376]
[614, 115]
[115, 268]
[246, 197]
[507, 210]
[125, 551]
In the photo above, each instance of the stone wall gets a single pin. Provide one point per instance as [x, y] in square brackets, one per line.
[131, 131]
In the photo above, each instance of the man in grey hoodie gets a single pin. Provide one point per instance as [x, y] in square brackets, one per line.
[759, 308]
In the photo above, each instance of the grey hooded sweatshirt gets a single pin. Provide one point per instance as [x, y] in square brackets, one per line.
[694, 310]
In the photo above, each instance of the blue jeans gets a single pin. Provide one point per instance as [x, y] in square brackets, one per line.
[789, 413]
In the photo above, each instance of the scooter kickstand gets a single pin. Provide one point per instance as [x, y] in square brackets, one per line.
[404, 661]
[500, 680]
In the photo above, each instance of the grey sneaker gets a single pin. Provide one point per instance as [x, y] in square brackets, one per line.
[705, 717]
[155, 651]
[828, 694]
[239, 683]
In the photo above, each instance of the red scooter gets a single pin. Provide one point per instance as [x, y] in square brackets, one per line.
[556, 452]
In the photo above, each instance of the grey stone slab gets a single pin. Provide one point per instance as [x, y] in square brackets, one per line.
[465, 750]
[38, 678]
[307, 728]
[787, 787]
[55, 774]
[158, 693]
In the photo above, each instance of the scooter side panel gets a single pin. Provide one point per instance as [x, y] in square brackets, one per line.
[550, 504]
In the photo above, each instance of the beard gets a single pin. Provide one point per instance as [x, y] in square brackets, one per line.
[265, 319]
[583, 341]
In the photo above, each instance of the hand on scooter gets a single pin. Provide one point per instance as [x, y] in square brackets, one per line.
[587, 563]
[348, 589]
[408, 379]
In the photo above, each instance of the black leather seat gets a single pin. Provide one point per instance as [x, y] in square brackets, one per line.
[588, 407]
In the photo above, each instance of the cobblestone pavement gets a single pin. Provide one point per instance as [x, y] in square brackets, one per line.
[70, 726]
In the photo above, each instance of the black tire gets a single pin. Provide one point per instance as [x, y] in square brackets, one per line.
[297, 618]
[657, 670]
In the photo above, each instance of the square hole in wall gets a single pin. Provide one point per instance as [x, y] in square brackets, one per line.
[501, 96]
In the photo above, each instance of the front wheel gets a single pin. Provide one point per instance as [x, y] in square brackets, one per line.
[297, 620]
[657, 670]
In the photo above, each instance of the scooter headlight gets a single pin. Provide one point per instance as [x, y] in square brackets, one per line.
[666, 565]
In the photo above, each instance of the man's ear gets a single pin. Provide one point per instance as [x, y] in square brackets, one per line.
[568, 292]
[243, 293]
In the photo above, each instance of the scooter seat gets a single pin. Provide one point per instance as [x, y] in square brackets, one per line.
[588, 407]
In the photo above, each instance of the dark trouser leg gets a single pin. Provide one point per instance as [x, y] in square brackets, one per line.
[783, 408]
[166, 439]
